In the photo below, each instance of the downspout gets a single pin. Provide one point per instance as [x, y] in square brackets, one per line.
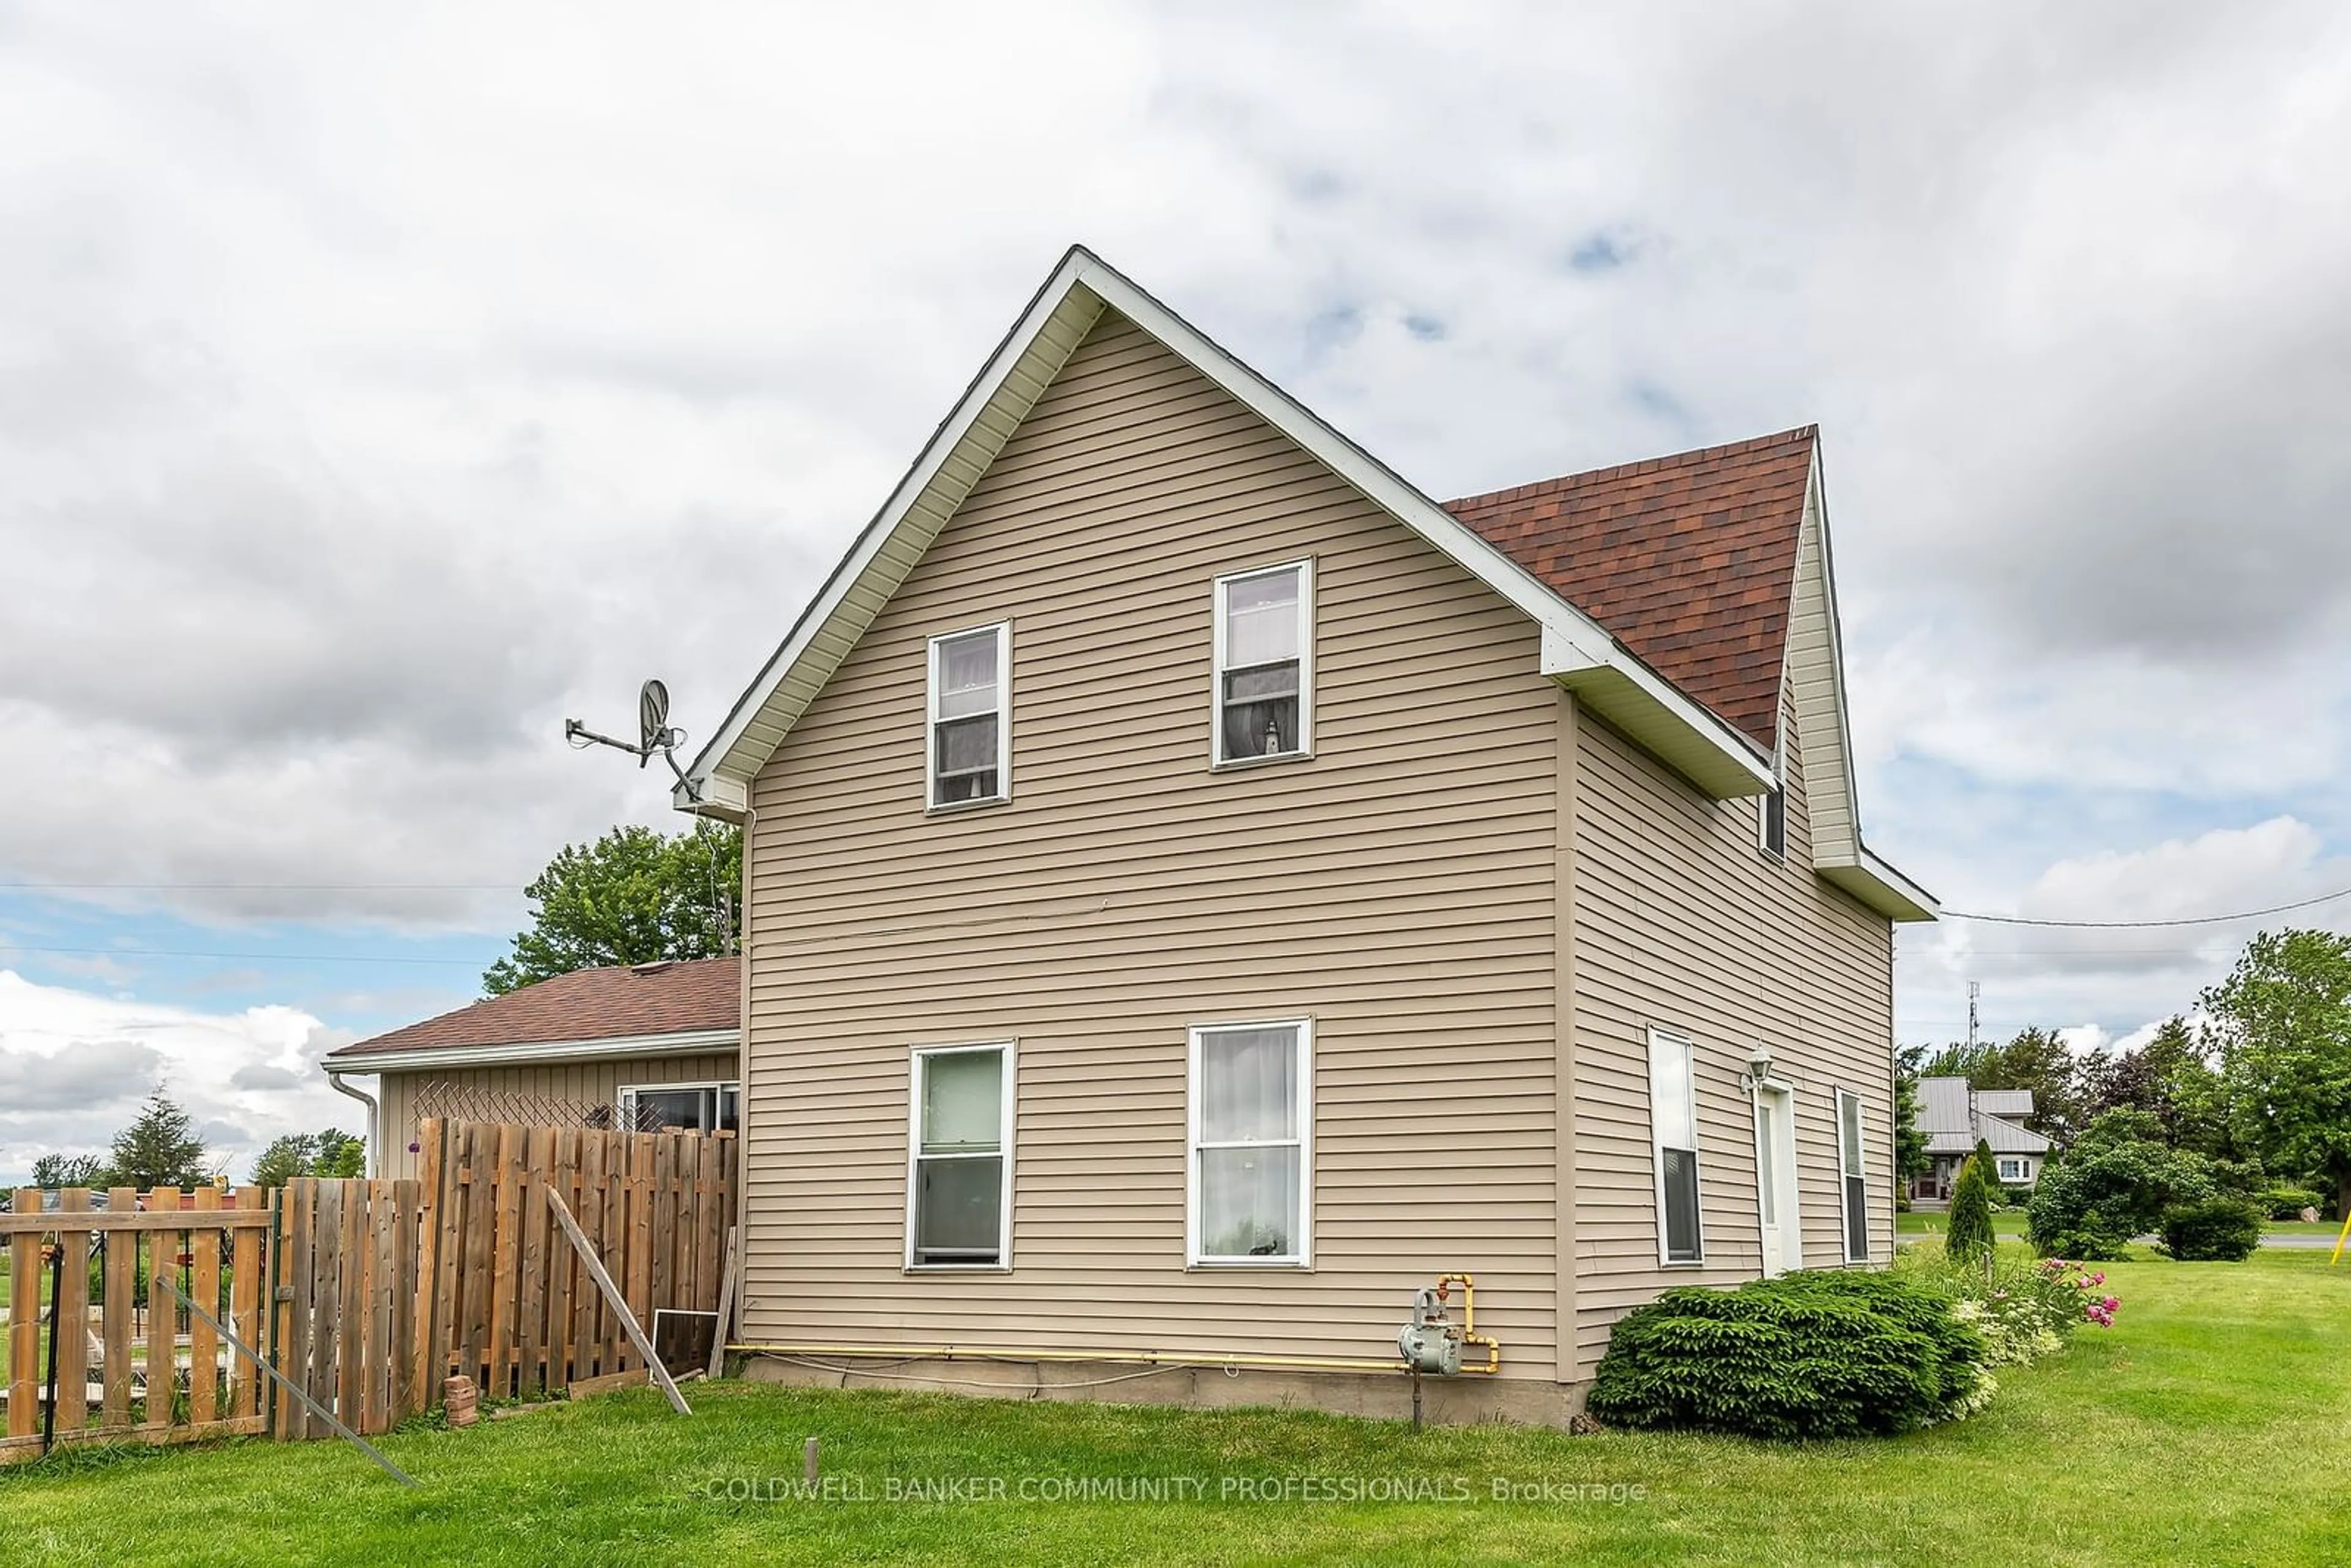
[374, 1115]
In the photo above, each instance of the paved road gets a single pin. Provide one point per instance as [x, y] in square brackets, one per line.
[2324, 1243]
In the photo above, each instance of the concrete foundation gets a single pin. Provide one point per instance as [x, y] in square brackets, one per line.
[1386, 1396]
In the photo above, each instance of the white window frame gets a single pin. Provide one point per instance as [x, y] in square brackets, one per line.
[1006, 1120]
[2001, 1163]
[1303, 1258]
[625, 1097]
[1003, 796]
[1658, 1145]
[1216, 757]
[1860, 1163]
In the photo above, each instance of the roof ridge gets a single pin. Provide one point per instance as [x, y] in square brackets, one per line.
[1658, 464]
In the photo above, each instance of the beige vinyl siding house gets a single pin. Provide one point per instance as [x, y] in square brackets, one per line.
[1518, 843]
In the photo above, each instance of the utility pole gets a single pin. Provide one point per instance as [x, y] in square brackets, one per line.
[1975, 990]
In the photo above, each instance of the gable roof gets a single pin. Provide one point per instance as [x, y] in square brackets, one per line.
[1724, 752]
[1954, 1116]
[1576, 651]
[1689, 560]
[645, 1010]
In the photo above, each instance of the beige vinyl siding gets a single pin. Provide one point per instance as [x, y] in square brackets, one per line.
[1812, 687]
[1681, 923]
[581, 1084]
[1397, 888]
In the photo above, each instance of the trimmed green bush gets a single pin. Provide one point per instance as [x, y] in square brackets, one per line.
[2219, 1229]
[1968, 1236]
[2111, 1187]
[2288, 1202]
[1809, 1355]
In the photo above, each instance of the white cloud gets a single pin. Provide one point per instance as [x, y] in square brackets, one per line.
[73, 1068]
[379, 389]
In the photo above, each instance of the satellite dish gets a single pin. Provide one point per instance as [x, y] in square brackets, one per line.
[652, 719]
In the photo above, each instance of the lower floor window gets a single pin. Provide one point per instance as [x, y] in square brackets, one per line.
[959, 1165]
[680, 1107]
[1251, 1162]
[1673, 1130]
[2011, 1169]
[1853, 1187]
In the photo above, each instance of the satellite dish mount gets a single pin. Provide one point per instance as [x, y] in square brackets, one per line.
[653, 734]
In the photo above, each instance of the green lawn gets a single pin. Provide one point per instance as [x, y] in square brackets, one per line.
[2212, 1425]
[2008, 1222]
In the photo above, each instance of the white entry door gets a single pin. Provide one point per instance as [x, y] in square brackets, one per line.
[1775, 1180]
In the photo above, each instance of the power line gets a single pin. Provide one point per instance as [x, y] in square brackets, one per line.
[256, 886]
[6, 946]
[2149, 924]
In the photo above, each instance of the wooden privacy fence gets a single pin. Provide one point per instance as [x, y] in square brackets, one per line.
[129, 1361]
[511, 1305]
[364, 1294]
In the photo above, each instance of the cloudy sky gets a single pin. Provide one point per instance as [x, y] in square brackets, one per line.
[380, 385]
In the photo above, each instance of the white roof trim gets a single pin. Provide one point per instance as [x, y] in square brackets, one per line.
[686, 1042]
[1883, 888]
[1577, 652]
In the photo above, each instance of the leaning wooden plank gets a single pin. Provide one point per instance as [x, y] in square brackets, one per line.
[316, 1410]
[116, 1309]
[245, 1293]
[620, 1307]
[588, 1387]
[162, 1313]
[24, 1273]
[203, 1346]
[72, 1334]
[723, 1329]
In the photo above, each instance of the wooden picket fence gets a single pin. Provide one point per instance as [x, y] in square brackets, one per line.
[218, 1246]
[364, 1294]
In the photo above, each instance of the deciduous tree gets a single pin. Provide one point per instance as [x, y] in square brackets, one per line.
[634, 896]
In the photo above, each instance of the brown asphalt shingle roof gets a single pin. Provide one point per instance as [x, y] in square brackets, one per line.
[1690, 561]
[588, 1004]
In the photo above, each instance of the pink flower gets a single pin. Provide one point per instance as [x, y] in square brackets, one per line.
[2099, 1277]
[2112, 1304]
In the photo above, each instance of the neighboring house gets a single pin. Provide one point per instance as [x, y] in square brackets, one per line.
[1200, 889]
[649, 1046]
[1955, 1117]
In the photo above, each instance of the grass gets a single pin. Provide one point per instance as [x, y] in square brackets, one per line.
[2208, 1426]
[2006, 1222]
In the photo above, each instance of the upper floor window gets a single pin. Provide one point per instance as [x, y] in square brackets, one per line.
[1771, 823]
[1673, 1131]
[970, 732]
[1265, 662]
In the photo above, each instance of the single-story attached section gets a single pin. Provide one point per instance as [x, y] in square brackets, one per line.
[649, 1045]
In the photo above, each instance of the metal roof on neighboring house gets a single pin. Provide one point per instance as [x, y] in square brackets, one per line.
[1955, 1119]
[642, 1001]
